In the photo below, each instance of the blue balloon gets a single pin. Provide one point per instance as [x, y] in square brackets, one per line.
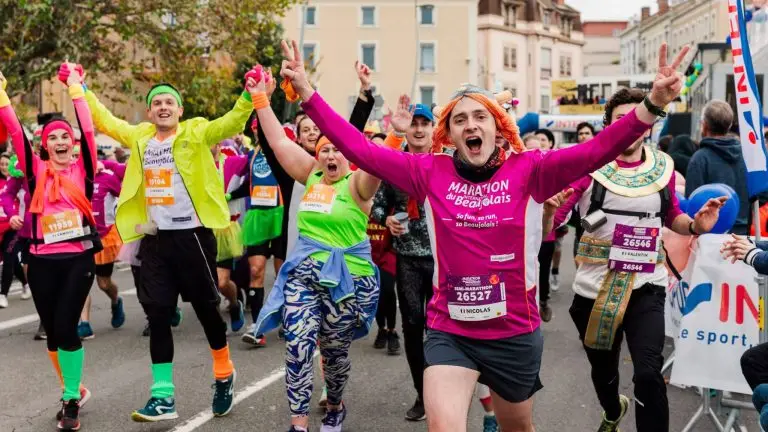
[683, 202]
[748, 15]
[728, 212]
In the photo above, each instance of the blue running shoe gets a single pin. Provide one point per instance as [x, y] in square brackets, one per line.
[490, 424]
[178, 317]
[156, 410]
[237, 316]
[84, 330]
[118, 314]
[223, 395]
[333, 420]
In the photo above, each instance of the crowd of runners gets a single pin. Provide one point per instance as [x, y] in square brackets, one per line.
[451, 216]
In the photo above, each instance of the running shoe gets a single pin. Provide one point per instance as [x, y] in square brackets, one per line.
[323, 402]
[546, 311]
[381, 339]
[118, 314]
[417, 412]
[393, 343]
[251, 338]
[224, 393]
[3, 301]
[70, 420]
[613, 426]
[145, 332]
[333, 420]
[84, 330]
[85, 396]
[157, 409]
[178, 317]
[554, 283]
[297, 429]
[26, 293]
[237, 316]
[490, 424]
[40, 335]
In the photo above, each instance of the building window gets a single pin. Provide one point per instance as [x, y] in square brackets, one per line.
[510, 15]
[510, 58]
[427, 94]
[369, 15]
[309, 51]
[310, 18]
[565, 27]
[546, 19]
[427, 57]
[544, 100]
[427, 15]
[369, 55]
[565, 66]
[546, 63]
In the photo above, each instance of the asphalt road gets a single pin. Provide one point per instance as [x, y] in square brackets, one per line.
[117, 371]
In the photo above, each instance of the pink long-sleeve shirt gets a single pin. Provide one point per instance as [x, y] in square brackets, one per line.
[484, 236]
[75, 172]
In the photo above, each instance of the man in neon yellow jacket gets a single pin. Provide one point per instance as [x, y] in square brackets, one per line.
[172, 198]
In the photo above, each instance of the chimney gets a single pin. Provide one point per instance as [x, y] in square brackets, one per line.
[645, 13]
[663, 6]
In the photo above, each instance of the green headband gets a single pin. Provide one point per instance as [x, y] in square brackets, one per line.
[163, 89]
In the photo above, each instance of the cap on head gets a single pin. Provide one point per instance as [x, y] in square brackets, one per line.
[163, 88]
[422, 110]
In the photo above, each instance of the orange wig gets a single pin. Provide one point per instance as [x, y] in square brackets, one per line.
[505, 124]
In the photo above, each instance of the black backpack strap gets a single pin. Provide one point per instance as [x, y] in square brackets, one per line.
[666, 201]
[597, 198]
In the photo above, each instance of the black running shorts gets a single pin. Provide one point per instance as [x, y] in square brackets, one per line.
[178, 262]
[105, 270]
[277, 247]
[510, 367]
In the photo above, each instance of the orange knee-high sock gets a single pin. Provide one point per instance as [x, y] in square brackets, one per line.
[54, 356]
[222, 364]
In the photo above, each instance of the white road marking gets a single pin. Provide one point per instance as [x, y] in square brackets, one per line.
[26, 319]
[204, 417]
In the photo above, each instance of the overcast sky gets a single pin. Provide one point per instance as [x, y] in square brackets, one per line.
[604, 10]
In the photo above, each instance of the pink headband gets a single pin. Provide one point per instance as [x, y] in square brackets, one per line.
[54, 125]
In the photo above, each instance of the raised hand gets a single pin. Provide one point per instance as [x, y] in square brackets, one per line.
[706, 217]
[403, 115]
[255, 87]
[668, 81]
[74, 77]
[271, 83]
[293, 67]
[363, 74]
[551, 205]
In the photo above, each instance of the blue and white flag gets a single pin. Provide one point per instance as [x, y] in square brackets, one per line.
[748, 102]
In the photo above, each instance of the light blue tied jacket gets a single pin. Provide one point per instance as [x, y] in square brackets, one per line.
[334, 274]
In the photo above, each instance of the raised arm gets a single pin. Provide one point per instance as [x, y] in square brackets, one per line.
[557, 169]
[116, 128]
[365, 101]
[83, 114]
[404, 170]
[10, 122]
[228, 125]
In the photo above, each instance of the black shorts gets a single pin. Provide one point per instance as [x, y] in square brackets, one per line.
[510, 367]
[227, 264]
[178, 262]
[277, 247]
[104, 270]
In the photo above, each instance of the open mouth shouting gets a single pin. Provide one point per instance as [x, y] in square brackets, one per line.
[333, 169]
[164, 115]
[474, 144]
[61, 150]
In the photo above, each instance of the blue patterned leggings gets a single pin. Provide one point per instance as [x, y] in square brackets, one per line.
[310, 316]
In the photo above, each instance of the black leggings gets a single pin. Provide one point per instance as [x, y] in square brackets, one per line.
[11, 264]
[59, 289]
[386, 314]
[545, 265]
[414, 289]
[161, 338]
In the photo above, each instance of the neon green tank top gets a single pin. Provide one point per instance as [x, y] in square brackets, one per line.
[330, 215]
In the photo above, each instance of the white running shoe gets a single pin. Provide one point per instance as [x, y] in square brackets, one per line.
[554, 283]
[26, 294]
[3, 301]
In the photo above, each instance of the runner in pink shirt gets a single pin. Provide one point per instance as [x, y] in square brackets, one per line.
[64, 237]
[484, 211]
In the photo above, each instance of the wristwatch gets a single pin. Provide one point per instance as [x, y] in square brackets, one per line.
[691, 230]
[653, 109]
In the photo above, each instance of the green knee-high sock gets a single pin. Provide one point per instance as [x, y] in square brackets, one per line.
[71, 363]
[163, 387]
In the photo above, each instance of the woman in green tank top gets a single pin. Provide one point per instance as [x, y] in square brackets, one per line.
[327, 290]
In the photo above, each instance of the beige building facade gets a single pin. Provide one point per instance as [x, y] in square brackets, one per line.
[523, 45]
[602, 49]
[427, 47]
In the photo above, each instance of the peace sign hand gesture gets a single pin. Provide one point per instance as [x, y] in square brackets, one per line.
[668, 81]
[293, 70]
